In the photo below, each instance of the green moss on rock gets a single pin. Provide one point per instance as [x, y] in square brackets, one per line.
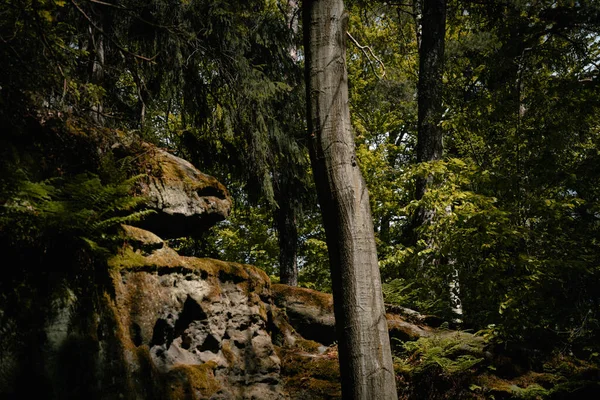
[193, 382]
[165, 259]
[284, 293]
[310, 376]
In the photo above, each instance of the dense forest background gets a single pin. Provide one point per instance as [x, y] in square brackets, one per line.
[513, 203]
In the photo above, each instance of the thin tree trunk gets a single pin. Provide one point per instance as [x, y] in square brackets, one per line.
[430, 135]
[97, 62]
[430, 19]
[285, 214]
[292, 18]
[417, 7]
[364, 347]
[285, 219]
[455, 301]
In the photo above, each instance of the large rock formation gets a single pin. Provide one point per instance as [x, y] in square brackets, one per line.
[201, 324]
[187, 202]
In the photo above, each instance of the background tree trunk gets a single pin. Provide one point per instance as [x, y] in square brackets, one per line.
[431, 29]
[97, 51]
[430, 111]
[431, 61]
[286, 194]
[287, 230]
[364, 347]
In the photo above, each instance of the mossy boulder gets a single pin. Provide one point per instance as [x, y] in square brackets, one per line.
[187, 202]
[310, 371]
[310, 312]
[190, 313]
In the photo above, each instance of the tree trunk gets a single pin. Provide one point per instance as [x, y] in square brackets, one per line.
[431, 61]
[364, 348]
[430, 135]
[285, 220]
[97, 51]
[285, 214]
[292, 19]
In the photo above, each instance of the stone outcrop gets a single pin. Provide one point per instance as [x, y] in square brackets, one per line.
[165, 326]
[195, 320]
[311, 314]
[187, 202]
[161, 326]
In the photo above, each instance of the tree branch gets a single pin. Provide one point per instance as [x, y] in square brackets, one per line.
[117, 45]
[364, 50]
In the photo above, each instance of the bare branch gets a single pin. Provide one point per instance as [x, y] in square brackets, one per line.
[400, 4]
[364, 50]
[107, 4]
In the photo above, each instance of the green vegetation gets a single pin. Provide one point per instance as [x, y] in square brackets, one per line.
[461, 366]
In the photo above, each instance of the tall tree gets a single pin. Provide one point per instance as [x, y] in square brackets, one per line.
[430, 135]
[364, 348]
[285, 182]
[431, 60]
[431, 29]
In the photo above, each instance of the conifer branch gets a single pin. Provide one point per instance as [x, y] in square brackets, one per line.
[110, 38]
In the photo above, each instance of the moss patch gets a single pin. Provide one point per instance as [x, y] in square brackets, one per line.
[127, 258]
[228, 352]
[246, 276]
[141, 239]
[310, 376]
[284, 293]
[192, 381]
[168, 168]
[563, 378]
[309, 346]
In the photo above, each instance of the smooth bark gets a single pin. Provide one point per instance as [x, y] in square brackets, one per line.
[364, 347]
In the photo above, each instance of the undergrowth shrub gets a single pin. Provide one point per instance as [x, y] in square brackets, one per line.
[439, 367]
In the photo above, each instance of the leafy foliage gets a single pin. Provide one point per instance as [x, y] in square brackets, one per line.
[515, 203]
[440, 366]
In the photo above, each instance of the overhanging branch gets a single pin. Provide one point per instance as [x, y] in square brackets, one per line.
[364, 50]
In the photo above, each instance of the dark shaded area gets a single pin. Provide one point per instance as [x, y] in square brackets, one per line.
[225, 276]
[210, 344]
[192, 311]
[136, 334]
[211, 191]
[311, 329]
[171, 226]
[162, 333]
